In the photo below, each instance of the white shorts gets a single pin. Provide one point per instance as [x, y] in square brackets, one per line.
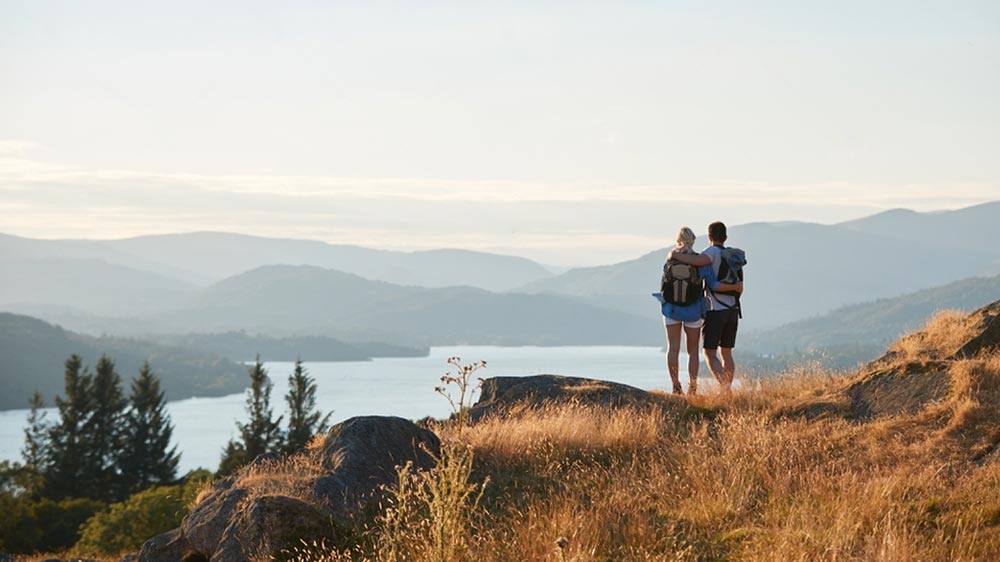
[696, 324]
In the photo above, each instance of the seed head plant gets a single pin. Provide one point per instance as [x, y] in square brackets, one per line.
[462, 380]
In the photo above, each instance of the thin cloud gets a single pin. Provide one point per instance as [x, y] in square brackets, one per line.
[16, 172]
[554, 223]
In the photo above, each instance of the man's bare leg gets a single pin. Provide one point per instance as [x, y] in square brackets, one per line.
[728, 365]
[715, 365]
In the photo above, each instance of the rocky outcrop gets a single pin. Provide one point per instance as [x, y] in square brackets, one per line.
[905, 382]
[274, 503]
[986, 322]
[168, 547]
[500, 394]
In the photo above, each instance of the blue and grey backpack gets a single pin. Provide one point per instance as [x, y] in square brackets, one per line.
[731, 271]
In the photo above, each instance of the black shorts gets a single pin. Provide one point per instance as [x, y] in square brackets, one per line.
[720, 328]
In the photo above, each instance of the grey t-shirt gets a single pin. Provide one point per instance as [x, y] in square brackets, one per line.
[717, 302]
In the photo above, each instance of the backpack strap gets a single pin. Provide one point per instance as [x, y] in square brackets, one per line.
[737, 306]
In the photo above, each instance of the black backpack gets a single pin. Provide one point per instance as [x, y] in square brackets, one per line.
[731, 271]
[681, 284]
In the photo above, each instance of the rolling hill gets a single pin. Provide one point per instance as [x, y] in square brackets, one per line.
[242, 346]
[875, 323]
[32, 353]
[282, 300]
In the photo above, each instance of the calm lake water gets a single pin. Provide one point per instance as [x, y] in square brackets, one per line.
[401, 387]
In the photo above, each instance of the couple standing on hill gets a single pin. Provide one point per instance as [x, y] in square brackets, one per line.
[696, 301]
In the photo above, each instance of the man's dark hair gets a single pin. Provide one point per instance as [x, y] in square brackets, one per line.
[717, 231]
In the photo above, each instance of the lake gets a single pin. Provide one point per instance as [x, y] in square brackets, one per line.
[394, 386]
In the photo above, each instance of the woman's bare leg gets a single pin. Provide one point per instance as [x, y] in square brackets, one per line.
[673, 353]
[692, 337]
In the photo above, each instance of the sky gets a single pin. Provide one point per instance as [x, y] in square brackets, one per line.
[574, 133]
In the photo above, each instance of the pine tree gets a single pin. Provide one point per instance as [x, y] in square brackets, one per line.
[67, 459]
[262, 433]
[36, 436]
[234, 455]
[304, 420]
[104, 435]
[147, 458]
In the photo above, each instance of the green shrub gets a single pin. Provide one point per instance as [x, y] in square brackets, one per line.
[60, 521]
[124, 526]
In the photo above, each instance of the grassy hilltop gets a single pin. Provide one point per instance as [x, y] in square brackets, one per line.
[897, 462]
[782, 471]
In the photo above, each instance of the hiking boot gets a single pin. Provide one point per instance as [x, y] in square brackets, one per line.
[677, 389]
[692, 389]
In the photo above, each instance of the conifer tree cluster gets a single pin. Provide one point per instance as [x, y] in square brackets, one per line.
[262, 433]
[103, 446]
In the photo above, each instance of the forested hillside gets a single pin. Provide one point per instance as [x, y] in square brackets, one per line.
[877, 323]
[32, 354]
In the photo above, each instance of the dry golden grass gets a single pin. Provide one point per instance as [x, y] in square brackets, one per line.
[560, 431]
[66, 555]
[290, 476]
[940, 338]
[746, 481]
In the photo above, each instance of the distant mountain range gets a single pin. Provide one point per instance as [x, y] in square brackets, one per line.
[799, 270]
[203, 258]
[214, 282]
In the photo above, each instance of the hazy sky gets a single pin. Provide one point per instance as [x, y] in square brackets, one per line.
[570, 132]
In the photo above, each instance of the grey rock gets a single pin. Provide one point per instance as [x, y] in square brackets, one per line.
[268, 524]
[499, 394]
[205, 526]
[265, 458]
[168, 547]
[271, 504]
[362, 455]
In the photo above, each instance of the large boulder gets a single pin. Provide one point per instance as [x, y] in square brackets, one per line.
[361, 455]
[274, 503]
[501, 394]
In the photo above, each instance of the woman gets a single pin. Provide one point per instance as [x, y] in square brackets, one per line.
[688, 318]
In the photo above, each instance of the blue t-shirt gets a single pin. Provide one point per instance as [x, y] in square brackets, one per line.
[696, 311]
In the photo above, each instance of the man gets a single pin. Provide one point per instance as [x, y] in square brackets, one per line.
[722, 320]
